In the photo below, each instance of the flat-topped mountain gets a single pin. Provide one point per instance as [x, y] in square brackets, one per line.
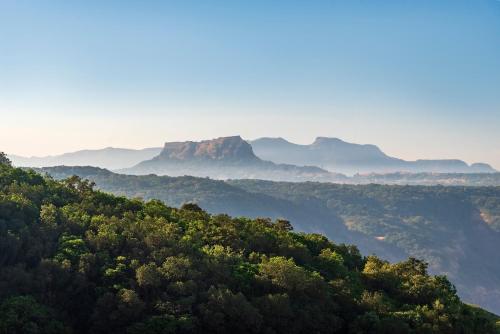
[225, 149]
[109, 158]
[224, 158]
[339, 156]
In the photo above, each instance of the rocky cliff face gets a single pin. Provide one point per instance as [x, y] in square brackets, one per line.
[229, 149]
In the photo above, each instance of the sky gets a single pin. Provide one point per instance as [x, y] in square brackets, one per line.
[420, 79]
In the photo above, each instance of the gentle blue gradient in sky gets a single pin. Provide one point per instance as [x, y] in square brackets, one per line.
[421, 79]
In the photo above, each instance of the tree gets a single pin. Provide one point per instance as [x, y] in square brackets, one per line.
[4, 160]
[148, 275]
[283, 225]
[23, 314]
[284, 273]
[228, 312]
[190, 206]
[48, 216]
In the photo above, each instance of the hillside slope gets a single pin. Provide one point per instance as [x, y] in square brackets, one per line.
[428, 179]
[455, 229]
[76, 260]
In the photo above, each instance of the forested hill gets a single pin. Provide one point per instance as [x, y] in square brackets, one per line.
[455, 229]
[77, 260]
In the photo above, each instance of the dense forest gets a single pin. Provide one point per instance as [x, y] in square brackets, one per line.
[455, 229]
[429, 179]
[76, 260]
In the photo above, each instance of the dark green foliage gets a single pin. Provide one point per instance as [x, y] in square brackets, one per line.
[455, 229]
[23, 314]
[76, 260]
[4, 160]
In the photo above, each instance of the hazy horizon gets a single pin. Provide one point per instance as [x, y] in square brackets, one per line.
[204, 139]
[418, 79]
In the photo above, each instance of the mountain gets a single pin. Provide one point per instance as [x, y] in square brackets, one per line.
[77, 260]
[339, 156]
[455, 229]
[265, 158]
[109, 158]
[224, 158]
[225, 149]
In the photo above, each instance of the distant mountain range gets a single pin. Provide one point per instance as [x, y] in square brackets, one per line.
[109, 158]
[264, 158]
[339, 156]
[225, 158]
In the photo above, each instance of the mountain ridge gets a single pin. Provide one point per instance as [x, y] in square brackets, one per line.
[108, 157]
[326, 153]
[339, 156]
[225, 158]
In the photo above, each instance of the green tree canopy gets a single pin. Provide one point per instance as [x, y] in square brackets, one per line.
[76, 260]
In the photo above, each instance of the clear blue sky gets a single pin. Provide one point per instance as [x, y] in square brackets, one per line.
[421, 79]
